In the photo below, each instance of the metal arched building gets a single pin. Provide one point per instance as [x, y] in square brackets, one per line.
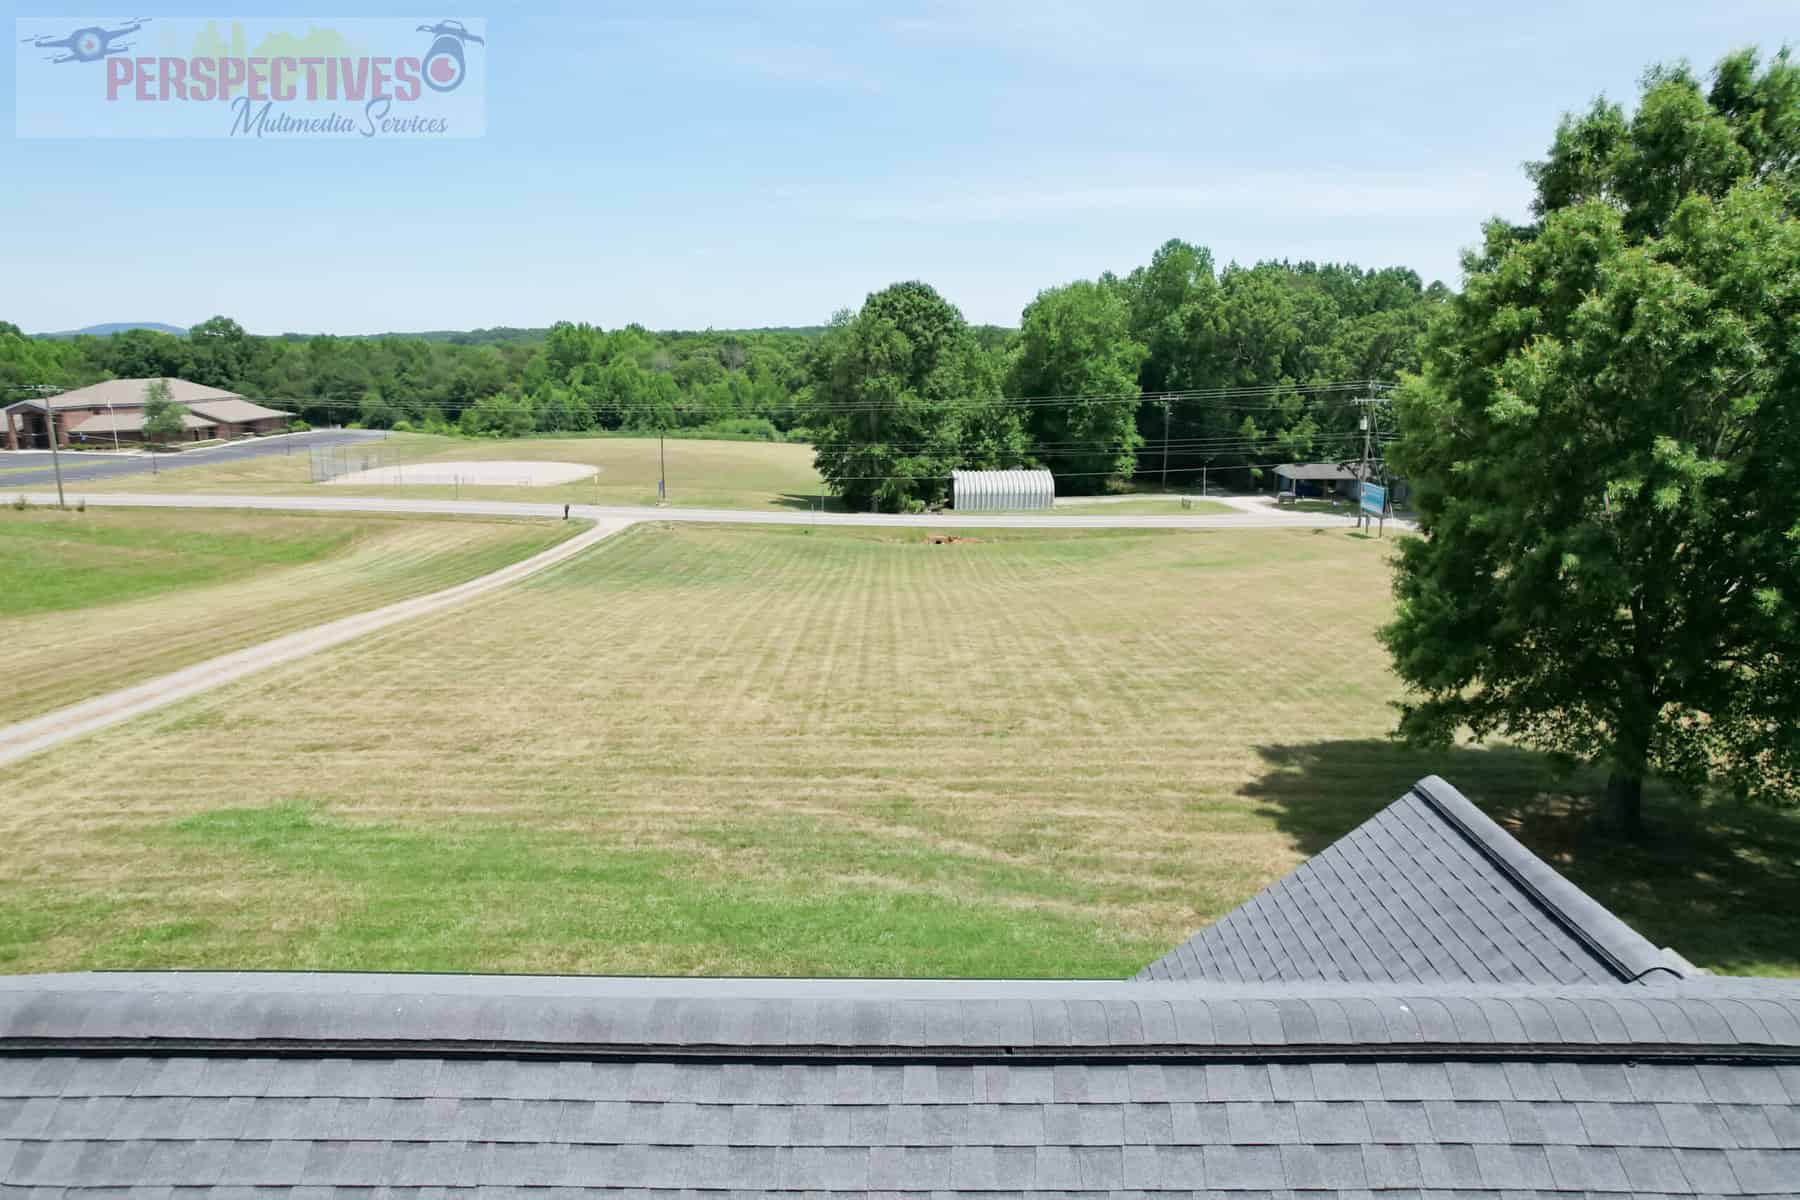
[993, 491]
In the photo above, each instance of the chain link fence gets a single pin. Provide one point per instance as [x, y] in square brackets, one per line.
[330, 462]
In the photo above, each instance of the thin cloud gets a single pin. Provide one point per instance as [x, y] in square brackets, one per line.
[745, 49]
[1310, 195]
[1148, 36]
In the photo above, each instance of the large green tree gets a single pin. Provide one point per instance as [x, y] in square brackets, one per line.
[1077, 369]
[222, 353]
[902, 395]
[162, 415]
[1605, 449]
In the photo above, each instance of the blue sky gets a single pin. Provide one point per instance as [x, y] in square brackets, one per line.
[737, 164]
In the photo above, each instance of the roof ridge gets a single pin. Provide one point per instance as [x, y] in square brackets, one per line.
[334, 1015]
[1623, 949]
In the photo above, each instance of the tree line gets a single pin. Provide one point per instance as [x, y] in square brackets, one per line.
[1103, 379]
[1173, 369]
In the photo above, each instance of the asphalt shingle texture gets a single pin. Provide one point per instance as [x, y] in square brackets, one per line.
[1427, 890]
[81, 1122]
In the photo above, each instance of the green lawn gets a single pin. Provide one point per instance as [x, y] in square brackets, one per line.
[792, 751]
[52, 560]
[96, 600]
[700, 473]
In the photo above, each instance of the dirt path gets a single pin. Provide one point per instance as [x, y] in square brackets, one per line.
[40, 733]
[28, 737]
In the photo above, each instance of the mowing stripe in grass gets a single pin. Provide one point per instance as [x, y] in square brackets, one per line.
[812, 752]
[157, 591]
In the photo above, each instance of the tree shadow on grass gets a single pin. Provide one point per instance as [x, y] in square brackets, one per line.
[805, 502]
[1718, 882]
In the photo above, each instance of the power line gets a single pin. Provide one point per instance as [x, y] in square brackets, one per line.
[1059, 474]
[1239, 398]
[1243, 446]
[800, 407]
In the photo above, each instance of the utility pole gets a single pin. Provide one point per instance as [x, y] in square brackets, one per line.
[46, 393]
[1165, 469]
[1362, 473]
[662, 467]
[1366, 468]
[55, 459]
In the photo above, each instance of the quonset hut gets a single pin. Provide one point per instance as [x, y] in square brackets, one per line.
[993, 491]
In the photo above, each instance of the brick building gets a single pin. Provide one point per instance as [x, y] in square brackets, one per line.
[114, 411]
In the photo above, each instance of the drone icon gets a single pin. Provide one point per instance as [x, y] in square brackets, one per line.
[444, 65]
[88, 45]
[455, 29]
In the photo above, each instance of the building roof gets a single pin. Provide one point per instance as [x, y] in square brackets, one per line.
[129, 393]
[130, 421]
[999, 490]
[1316, 471]
[757, 1086]
[381, 1085]
[235, 411]
[1427, 890]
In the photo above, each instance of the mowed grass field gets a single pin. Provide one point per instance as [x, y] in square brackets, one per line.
[97, 600]
[701, 474]
[793, 751]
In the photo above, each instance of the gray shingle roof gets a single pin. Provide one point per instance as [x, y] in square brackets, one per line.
[875, 1020]
[320, 1085]
[1429, 890]
[78, 1123]
[235, 410]
[759, 1086]
[129, 393]
[131, 421]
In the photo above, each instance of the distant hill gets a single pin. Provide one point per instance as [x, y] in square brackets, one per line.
[113, 327]
[498, 336]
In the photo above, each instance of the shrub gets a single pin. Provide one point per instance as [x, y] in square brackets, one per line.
[21, 503]
[759, 428]
[403, 426]
[298, 426]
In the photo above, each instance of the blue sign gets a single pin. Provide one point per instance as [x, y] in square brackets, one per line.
[1374, 499]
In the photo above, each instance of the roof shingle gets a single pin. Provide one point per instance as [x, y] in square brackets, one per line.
[1428, 890]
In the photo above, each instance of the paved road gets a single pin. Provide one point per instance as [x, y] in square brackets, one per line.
[1258, 517]
[40, 733]
[86, 466]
